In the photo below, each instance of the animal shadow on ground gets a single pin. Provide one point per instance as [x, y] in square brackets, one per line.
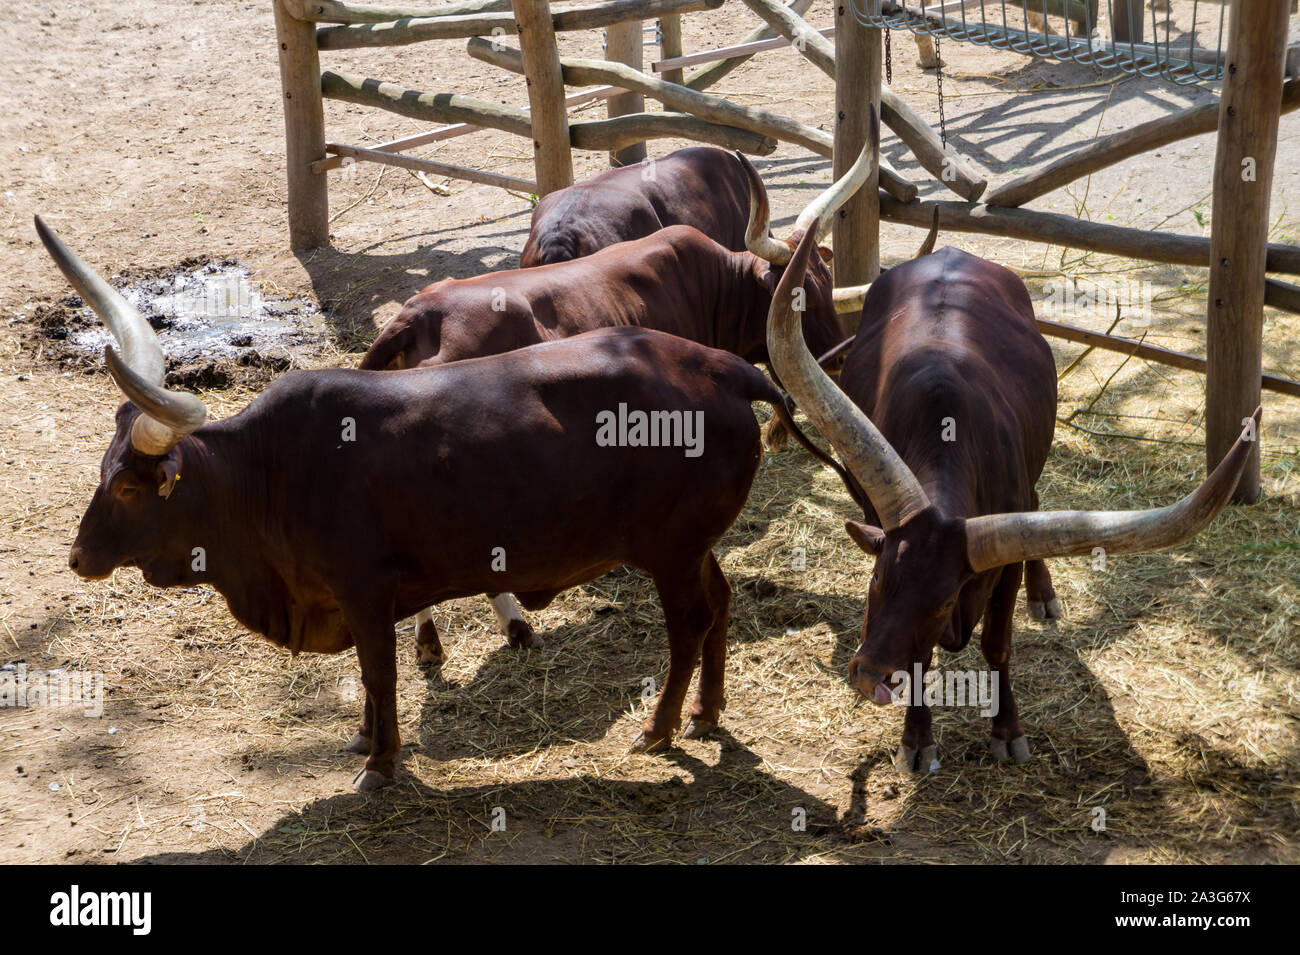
[352, 286]
[730, 811]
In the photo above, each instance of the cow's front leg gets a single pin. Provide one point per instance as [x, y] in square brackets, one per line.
[518, 632]
[371, 623]
[1008, 740]
[689, 616]
[917, 752]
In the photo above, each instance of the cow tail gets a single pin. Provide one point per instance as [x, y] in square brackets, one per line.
[781, 408]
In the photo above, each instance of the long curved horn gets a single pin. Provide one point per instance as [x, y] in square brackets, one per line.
[139, 344]
[168, 416]
[758, 235]
[998, 539]
[821, 211]
[894, 491]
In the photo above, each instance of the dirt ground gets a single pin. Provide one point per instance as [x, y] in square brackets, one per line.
[150, 135]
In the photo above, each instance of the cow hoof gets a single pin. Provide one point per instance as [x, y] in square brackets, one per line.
[522, 637]
[368, 781]
[1016, 751]
[775, 435]
[908, 760]
[1045, 610]
[427, 656]
[698, 729]
[358, 744]
[645, 744]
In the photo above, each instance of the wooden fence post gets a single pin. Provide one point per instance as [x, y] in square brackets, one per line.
[1249, 108]
[552, 156]
[304, 129]
[623, 45]
[856, 231]
[670, 46]
[1129, 19]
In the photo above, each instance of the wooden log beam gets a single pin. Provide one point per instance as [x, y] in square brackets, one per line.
[944, 163]
[1051, 228]
[437, 168]
[1162, 356]
[710, 75]
[598, 135]
[304, 131]
[563, 19]
[1120, 146]
[1250, 105]
[337, 11]
[1282, 295]
[859, 62]
[852, 299]
[623, 46]
[583, 72]
[549, 122]
[738, 51]
[445, 132]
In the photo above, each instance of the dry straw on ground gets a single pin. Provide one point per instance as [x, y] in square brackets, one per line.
[1167, 696]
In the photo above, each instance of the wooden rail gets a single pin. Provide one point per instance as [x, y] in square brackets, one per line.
[563, 19]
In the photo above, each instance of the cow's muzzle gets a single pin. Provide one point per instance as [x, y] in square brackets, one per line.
[84, 566]
[870, 682]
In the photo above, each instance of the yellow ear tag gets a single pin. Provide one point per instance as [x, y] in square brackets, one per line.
[172, 475]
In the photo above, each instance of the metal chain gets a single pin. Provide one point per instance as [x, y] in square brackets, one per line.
[889, 66]
[938, 71]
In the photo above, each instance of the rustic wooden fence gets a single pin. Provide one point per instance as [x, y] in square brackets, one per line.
[1260, 53]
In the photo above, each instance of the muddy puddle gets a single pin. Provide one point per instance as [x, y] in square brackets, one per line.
[216, 325]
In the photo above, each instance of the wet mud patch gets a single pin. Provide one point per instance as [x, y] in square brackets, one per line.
[217, 327]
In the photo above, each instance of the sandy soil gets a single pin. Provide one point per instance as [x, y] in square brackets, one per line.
[150, 134]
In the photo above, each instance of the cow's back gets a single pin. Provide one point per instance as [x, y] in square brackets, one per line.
[949, 364]
[701, 186]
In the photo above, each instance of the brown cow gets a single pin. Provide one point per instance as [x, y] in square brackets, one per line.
[701, 186]
[320, 541]
[677, 280]
[951, 340]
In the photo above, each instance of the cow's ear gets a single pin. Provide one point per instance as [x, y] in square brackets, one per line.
[826, 254]
[168, 472]
[870, 539]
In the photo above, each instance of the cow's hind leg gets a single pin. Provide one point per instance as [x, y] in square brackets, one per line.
[361, 739]
[428, 649]
[1039, 592]
[511, 618]
[689, 615]
[710, 701]
[1008, 740]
